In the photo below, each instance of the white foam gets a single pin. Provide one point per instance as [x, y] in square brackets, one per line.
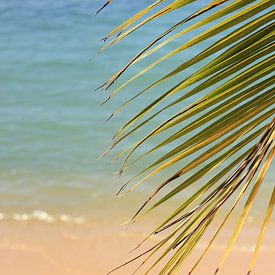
[65, 218]
[22, 217]
[2, 216]
[42, 216]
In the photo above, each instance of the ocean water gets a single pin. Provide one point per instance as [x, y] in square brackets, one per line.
[52, 126]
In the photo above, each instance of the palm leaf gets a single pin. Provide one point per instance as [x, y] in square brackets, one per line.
[266, 220]
[215, 124]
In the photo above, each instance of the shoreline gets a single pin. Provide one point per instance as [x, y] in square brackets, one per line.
[31, 248]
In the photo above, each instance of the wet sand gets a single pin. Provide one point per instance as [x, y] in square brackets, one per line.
[32, 248]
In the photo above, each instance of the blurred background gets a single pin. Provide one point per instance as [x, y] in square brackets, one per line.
[52, 127]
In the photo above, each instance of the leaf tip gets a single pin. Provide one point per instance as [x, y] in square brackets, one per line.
[106, 100]
[103, 7]
[110, 117]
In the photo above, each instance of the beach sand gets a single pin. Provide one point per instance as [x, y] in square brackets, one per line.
[36, 248]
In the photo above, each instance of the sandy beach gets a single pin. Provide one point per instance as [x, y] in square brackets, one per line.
[54, 249]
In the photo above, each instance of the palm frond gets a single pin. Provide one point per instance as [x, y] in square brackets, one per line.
[214, 125]
[265, 223]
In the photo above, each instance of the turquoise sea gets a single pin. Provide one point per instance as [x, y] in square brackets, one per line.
[52, 126]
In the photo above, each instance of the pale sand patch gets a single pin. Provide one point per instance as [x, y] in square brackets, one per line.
[35, 248]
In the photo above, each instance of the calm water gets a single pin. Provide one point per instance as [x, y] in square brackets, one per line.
[52, 127]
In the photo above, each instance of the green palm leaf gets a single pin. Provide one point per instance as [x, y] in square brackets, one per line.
[214, 125]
